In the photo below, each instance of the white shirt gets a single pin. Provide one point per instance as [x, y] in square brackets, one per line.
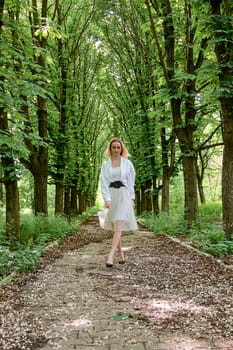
[127, 177]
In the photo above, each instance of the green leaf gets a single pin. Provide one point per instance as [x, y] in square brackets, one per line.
[121, 316]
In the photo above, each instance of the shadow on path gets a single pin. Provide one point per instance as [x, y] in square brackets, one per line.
[164, 298]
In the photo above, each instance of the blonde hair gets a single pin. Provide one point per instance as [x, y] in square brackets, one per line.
[124, 151]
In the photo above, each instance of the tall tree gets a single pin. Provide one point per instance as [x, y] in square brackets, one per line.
[35, 113]
[7, 155]
[10, 179]
[222, 12]
[181, 87]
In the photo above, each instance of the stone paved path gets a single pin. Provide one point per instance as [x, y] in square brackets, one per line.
[142, 305]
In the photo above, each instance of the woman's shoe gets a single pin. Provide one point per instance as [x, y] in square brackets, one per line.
[108, 265]
[121, 262]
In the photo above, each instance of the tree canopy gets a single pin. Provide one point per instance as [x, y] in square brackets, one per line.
[75, 73]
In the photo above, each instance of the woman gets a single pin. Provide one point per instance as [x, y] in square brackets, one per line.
[117, 186]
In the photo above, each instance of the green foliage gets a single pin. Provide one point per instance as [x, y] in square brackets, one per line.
[206, 234]
[22, 259]
[176, 192]
[173, 225]
[90, 211]
[41, 229]
[210, 212]
[38, 234]
[121, 316]
[210, 239]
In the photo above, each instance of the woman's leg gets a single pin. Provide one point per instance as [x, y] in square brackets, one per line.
[120, 250]
[115, 245]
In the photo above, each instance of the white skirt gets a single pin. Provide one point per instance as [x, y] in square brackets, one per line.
[120, 216]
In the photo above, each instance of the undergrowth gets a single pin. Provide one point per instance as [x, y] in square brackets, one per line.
[37, 235]
[206, 234]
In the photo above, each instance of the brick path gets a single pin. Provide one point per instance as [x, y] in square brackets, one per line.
[81, 304]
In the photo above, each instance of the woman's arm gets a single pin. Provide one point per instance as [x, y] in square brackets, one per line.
[105, 184]
[131, 179]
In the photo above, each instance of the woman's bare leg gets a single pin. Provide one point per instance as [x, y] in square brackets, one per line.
[120, 250]
[115, 244]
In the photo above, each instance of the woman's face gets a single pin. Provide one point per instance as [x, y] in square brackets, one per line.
[116, 148]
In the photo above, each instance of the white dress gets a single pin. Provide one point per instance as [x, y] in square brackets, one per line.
[120, 216]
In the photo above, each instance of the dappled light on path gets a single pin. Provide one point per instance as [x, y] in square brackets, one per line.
[79, 323]
[165, 308]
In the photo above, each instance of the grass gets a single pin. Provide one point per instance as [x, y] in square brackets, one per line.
[37, 235]
[206, 234]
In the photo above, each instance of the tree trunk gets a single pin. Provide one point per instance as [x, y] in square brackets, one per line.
[190, 189]
[165, 191]
[38, 158]
[74, 199]
[8, 165]
[138, 202]
[40, 190]
[201, 188]
[11, 185]
[59, 197]
[1, 187]
[61, 139]
[155, 195]
[12, 208]
[146, 198]
[1, 196]
[185, 137]
[39, 163]
[67, 201]
[168, 152]
[227, 178]
[82, 203]
[200, 170]
[201, 191]
[155, 203]
[222, 24]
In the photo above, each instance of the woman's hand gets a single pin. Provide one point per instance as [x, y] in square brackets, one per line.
[108, 204]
